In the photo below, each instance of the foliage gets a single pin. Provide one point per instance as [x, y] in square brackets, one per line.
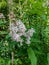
[34, 14]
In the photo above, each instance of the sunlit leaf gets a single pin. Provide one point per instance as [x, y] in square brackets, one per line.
[32, 56]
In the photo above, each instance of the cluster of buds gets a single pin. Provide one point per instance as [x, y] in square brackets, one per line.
[18, 29]
[12, 17]
[2, 16]
[46, 4]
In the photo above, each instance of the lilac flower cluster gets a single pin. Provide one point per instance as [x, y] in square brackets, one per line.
[18, 29]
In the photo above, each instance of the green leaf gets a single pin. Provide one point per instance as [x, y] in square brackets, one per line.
[32, 56]
[2, 22]
[3, 32]
[3, 4]
[48, 58]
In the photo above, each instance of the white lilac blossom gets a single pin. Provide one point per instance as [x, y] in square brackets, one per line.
[13, 28]
[28, 40]
[21, 26]
[16, 37]
[18, 29]
[29, 34]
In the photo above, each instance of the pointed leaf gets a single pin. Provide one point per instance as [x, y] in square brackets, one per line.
[32, 56]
